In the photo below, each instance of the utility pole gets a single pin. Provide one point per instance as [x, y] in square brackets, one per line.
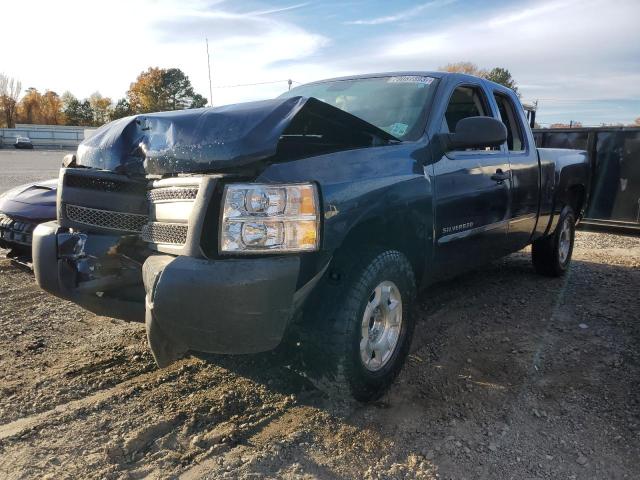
[209, 67]
[534, 113]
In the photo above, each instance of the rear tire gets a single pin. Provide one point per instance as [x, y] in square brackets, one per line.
[551, 255]
[356, 341]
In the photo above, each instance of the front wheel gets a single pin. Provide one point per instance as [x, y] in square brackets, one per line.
[551, 255]
[359, 347]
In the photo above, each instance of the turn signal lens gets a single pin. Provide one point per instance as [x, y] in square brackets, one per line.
[260, 218]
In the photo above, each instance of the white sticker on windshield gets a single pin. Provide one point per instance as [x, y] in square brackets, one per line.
[411, 79]
[398, 129]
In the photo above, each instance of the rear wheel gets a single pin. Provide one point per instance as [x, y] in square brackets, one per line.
[551, 255]
[358, 345]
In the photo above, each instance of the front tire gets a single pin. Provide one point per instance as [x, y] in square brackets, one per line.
[358, 345]
[551, 255]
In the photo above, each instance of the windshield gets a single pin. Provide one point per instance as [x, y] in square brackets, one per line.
[396, 104]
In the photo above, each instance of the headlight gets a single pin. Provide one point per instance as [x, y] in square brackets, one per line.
[259, 218]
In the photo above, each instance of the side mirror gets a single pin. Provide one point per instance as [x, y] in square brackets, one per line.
[477, 133]
[69, 160]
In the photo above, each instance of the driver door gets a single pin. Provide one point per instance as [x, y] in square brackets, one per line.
[472, 192]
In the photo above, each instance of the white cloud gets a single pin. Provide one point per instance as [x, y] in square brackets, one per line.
[526, 14]
[272, 11]
[582, 50]
[401, 15]
[83, 47]
[559, 51]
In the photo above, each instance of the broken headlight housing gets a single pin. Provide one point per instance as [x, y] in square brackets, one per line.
[264, 218]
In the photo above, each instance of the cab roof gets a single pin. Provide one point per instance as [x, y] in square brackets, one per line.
[420, 73]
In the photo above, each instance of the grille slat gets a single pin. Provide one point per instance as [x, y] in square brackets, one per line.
[127, 222]
[172, 193]
[170, 233]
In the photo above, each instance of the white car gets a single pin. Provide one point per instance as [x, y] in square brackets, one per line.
[23, 142]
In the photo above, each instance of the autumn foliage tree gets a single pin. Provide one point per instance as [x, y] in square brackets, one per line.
[40, 108]
[160, 89]
[51, 109]
[101, 108]
[468, 68]
[30, 106]
[497, 74]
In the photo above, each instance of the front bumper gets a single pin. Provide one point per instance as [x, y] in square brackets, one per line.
[218, 306]
[89, 271]
[232, 306]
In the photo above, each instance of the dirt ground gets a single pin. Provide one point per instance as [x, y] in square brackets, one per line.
[511, 376]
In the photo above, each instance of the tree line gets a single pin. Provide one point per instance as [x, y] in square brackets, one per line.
[572, 124]
[154, 90]
[497, 74]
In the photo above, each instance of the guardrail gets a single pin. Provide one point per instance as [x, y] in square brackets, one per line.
[44, 136]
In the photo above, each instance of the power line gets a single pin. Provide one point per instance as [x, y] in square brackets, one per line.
[253, 84]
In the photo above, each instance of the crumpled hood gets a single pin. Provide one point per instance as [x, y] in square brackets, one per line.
[33, 201]
[209, 139]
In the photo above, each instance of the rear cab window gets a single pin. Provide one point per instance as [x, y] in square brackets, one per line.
[509, 115]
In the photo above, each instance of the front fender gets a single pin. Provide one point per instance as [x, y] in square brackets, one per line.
[378, 195]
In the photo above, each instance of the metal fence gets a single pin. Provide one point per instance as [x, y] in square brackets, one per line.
[615, 163]
[44, 136]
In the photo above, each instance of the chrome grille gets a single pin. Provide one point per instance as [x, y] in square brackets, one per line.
[171, 233]
[15, 231]
[126, 222]
[172, 193]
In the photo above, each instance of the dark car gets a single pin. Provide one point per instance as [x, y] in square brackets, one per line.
[21, 209]
[315, 216]
[23, 142]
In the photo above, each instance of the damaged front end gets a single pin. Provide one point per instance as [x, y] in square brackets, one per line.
[138, 219]
[93, 253]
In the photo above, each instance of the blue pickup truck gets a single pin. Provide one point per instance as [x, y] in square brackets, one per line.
[317, 215]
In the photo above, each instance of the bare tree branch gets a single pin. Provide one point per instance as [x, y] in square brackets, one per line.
[9, 92]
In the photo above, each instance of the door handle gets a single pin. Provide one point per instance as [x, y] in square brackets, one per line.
[500, 176]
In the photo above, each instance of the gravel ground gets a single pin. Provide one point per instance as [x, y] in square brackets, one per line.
[510, 376]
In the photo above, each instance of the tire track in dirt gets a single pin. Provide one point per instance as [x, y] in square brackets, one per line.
[32, 422]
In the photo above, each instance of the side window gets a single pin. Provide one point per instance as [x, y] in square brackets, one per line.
[465, 102]
[510, 118]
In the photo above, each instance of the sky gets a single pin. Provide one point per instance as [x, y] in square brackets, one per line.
[579, 58]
